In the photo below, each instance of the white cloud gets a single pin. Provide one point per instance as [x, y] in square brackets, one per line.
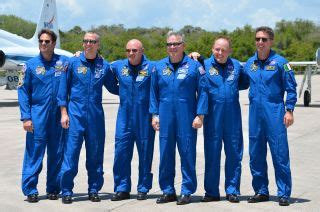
[211, 15]
[264, 17]
[9, 6]
[290, 5]
[240, 6]
[74, 8]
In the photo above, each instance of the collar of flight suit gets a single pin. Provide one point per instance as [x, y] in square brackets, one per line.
[84, 59]
[144, 61]
[271, 54]
[53, 58]
[215, 63]
[181, 63]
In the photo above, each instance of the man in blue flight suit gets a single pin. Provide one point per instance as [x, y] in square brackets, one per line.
[37, 91]
[270, 77]
[81, 91]
[178, 102]
[223, 122]
[133, 122]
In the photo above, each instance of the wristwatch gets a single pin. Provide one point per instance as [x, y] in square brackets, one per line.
[290, 110]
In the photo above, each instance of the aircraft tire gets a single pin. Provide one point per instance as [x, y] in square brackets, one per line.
[306, 98]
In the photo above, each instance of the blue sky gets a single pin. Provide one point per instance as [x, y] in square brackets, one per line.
[212, 15]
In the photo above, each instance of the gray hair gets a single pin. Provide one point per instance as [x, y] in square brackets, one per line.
[94, 33]
[177, 34]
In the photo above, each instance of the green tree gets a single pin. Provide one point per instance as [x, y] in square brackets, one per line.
[17, 25]
[296, 40]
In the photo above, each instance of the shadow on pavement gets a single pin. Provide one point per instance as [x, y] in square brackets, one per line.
[311, 105]
[9, 104]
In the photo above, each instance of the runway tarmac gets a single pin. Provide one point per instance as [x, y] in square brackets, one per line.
[304, 151]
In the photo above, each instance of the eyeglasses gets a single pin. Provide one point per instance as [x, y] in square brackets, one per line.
[132, 50]
[220, 50]
[174, 44]
[262, 39]
[89, 41]
[45, 41]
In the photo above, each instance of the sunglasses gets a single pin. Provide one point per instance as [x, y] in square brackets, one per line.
[262, 39]
[45, 41]
[89, 41]
[132, 50]
[174, 44]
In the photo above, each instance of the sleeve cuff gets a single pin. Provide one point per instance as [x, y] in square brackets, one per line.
[62, 103]
[25, 118]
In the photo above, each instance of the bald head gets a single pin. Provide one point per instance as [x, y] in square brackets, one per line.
[134, 51]
[136, 43]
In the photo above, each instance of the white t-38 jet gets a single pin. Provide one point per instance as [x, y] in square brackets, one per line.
[16, 50]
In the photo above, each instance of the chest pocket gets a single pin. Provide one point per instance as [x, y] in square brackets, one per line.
[126, 80]
[82, 73]
[182, 73]
[98, 76]
[233, 79]
[142, 77]
[185, 79]
[143, 88]
[165, 77]
[270, 73]
[58, 69]
[215, 81]
[42, 75]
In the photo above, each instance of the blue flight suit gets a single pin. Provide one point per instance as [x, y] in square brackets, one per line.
[269, 80]
[81, 91]
[178, 95]
[133, 124]
[37, 93]
[223, 122]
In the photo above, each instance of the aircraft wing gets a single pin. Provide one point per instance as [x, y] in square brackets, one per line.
[12, 59]
[311, 67]
[16, 50]
[303, 63]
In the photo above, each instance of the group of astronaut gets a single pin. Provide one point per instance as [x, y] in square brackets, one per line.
[60, 101]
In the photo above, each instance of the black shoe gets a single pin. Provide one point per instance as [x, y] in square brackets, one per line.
[52, 196]
[284, 201]
[184, 199]
[94, 197]
[232, 198]
[207, 198]
[142, 195]
[165, 198]
[258, 198]
[118, 196]
[67, 199]
[32, 198]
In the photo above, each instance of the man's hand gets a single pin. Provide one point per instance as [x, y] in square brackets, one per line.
[77, 54]
[64, 117]
[155, 122]
[197, 122]
[288, 119]
[194, 55]
[27, 125]
[65, 121]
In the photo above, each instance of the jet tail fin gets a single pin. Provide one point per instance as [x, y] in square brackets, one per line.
[48, 20]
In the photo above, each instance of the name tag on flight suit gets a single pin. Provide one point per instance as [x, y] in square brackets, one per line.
[182, 73]
[181, 76]
[139, 78]
[230, 77]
